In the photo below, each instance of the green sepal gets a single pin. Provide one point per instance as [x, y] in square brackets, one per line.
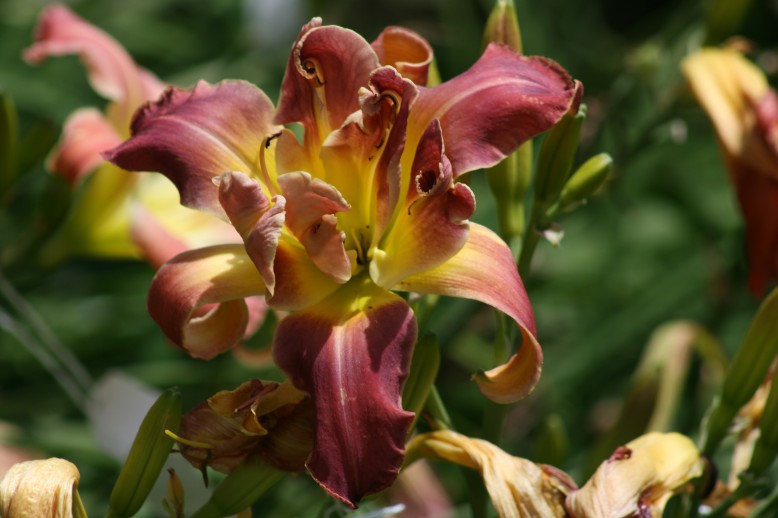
[555, 158]
[424, 369]
[147, 456]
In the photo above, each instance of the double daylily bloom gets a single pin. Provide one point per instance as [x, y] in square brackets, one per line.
[744, 111]
[367, 203]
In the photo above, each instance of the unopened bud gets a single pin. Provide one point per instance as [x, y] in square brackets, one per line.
[503, 26]
[585, 181]
[147, 455]
[555, 159]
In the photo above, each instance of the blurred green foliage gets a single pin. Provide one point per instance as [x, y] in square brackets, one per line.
[663, 241]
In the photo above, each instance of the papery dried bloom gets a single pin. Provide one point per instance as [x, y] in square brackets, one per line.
[744, 111]
[258, 419]
[639, 478]
[367, 203]
[517, 487]
[40, 488]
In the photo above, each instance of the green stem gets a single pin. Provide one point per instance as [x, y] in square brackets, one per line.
[441, 420]
[769, 507]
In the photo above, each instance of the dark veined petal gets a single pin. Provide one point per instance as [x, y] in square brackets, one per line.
[485, 113]
[216, 279]
[351, 353]
[193, 136]
[484, 270]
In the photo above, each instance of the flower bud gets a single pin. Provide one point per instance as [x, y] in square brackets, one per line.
[147, 455]
[503, 26]
[555, 159]
[746, 371]
[585, 181]
[44, 488]
[423, 371]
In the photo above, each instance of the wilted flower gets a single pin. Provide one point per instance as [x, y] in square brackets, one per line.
[367, 203]
[744, 110]
[43, 488]
[639, 478]
[268, 420]
[517, 487]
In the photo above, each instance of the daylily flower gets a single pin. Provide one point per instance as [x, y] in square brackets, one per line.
[367, 203]
[117, 214]
[744, 110]
[268, 420]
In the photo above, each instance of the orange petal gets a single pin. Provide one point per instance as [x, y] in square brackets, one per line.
[484, 270]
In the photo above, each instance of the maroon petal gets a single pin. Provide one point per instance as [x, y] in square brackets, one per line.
[326, 69]
[192, 136]
[503, 100]
[351, 353]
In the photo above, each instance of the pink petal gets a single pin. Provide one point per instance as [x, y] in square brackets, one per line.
[503, 100]
[222, 275]
[192, 136]
[433, 226]
[309, 215]
[258, 223]
[406, 51]
[484, 270]
[351, 354]
[86, 134]
[157, 244]
[326, 68]
[112, 72]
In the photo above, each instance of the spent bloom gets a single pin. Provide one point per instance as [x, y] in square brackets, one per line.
[116, 214]
[744, 111]
[45, 488]
[365, 203]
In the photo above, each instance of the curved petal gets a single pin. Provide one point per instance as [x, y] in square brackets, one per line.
[112, 72]
[484, 270]
[310, 217]
[193, 136]
[258, 223]
[86, 134]
[222, 275]
[406, 51]
[433, 226]
[327, 67]
[351, 353]
[503, 100]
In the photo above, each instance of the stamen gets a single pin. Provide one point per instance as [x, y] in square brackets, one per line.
[311, 68]
[187, 442]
